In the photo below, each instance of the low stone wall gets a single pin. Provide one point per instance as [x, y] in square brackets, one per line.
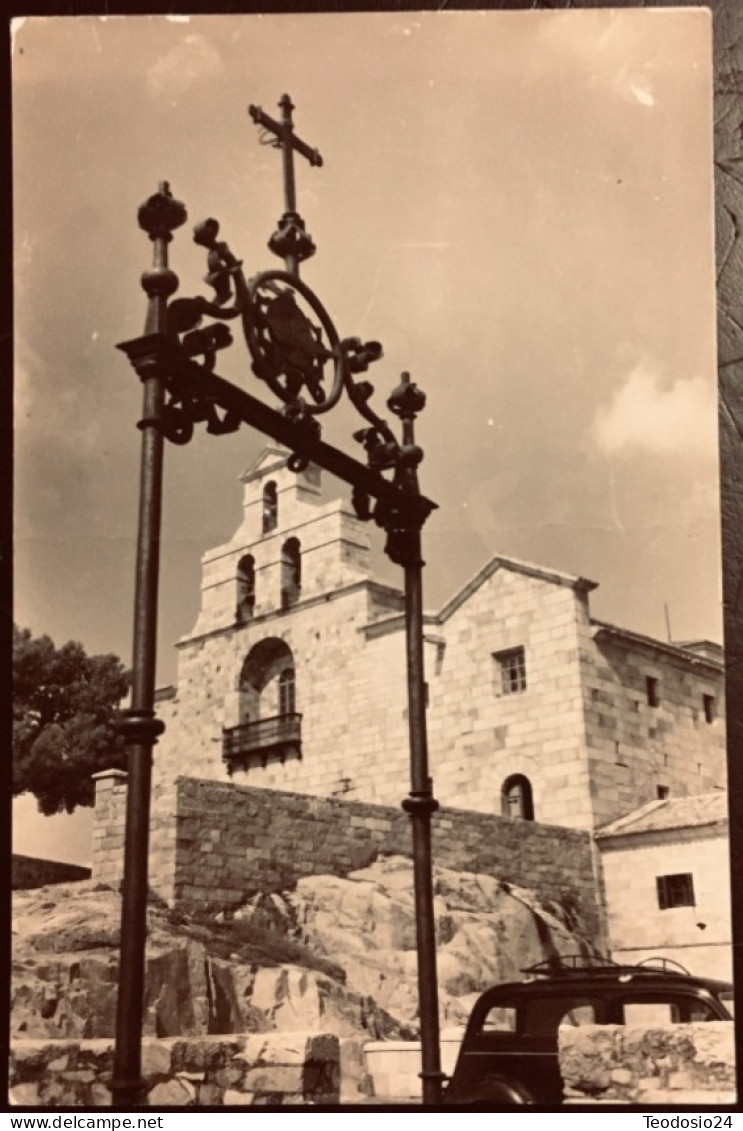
[29, 872]
[235, 1070]
[394, 1066]
[674, 1064]
[231, 841]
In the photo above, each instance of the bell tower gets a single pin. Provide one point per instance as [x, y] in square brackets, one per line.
[290, 548]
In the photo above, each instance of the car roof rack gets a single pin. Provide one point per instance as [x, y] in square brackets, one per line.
[571, 963]
[664, 965]
[565, 965]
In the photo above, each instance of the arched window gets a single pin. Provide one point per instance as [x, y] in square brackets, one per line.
[269, 730]
[291, 573]
[245, 589]
[516, 798]
[270, 508]
[287, 696]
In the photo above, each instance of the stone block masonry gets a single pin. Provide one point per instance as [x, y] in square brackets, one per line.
[240, 1070]
[228, 842]
[673, 1064]
[109, 825]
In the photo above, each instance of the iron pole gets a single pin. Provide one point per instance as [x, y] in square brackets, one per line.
[404, 546]
[140, 727]
[420, 805]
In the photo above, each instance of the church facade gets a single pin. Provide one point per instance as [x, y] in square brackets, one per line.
[293, 678]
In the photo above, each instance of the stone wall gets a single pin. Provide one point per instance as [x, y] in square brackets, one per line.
[235, 1070]
[675, 1064]
[479, 735]
[633, 748]
[232, 841]
[699, 936]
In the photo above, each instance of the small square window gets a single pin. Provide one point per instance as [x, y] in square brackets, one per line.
[710, 708]
[662, 791]
[675, 891]
[652, 689]
[512, 667]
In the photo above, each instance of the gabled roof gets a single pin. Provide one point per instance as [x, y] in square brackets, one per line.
[553, 576]
[687, 655]
[703, 809]
[273, 455]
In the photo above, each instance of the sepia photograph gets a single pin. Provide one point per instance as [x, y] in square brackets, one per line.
[370, 616]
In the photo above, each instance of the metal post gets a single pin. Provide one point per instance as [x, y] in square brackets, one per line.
[404, 547]
[140, 727]
[420, 805]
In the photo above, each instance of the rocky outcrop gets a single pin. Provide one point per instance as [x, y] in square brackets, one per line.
[487, 931]
[65, 985]
[334, 955]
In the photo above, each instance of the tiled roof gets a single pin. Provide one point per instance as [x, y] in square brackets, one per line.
[673, 813]
[687, 654]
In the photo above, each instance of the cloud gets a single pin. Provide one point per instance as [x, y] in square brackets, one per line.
[643, 416]
[191, 61]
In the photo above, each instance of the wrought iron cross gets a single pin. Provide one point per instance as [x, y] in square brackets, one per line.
[290, 241]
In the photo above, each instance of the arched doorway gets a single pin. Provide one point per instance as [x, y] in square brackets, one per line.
[269, 727]
[516, 798]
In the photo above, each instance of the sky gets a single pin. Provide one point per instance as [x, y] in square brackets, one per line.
[518, 205]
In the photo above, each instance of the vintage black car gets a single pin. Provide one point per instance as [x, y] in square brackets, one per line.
[509, 1050]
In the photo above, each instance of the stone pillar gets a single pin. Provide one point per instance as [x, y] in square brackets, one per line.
[108, 826]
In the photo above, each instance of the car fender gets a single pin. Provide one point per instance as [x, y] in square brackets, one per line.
[500, 1090]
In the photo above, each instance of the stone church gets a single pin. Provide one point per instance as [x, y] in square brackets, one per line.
[293, 678]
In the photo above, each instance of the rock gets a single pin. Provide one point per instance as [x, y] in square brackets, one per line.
[25, 1095]
[356, 1083]
[233, 1098]
[486, 932]
[66, 940]
[354, 938]
[172, 1093]
[156, 1057]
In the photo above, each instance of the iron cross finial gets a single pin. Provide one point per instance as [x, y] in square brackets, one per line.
[290, 241]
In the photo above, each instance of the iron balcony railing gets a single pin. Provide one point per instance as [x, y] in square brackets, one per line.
[281, 734]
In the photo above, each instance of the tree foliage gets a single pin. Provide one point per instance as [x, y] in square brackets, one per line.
[64, 708]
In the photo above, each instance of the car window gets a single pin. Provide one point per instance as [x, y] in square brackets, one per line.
[728, 1000]
[501, 1019]
[646, 1013]
[579, 1015]
[543, 1017]
[661, 1010]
